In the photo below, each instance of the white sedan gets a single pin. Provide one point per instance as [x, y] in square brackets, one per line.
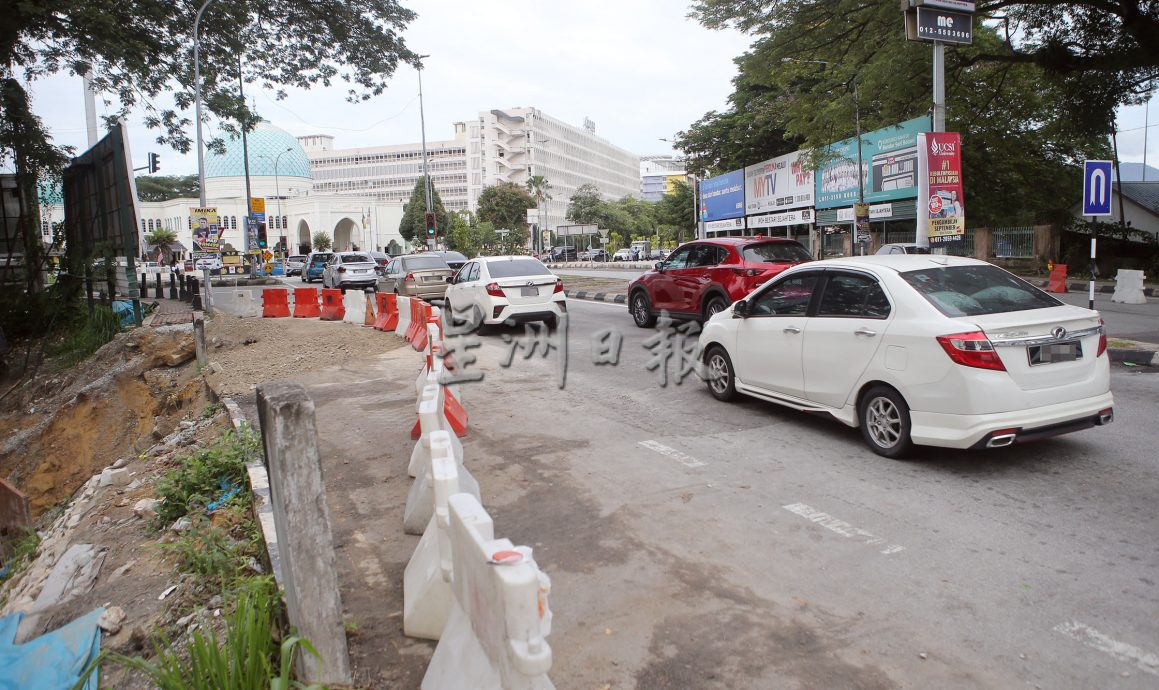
[915, 349]
[496, 289]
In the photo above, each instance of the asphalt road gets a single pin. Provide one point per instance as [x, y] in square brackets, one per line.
[699, 544]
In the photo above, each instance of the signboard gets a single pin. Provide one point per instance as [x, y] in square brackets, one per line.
[206, 229]
[724, 225]
[722, 196]
[959, 5]
[876, 212]
[778, 184]
[532, 216]
[576, 230]
[943, 26]
[889, 166]
[942, 195]
[231, 263]
[1096, 188]
[782, 219]
[258, 205]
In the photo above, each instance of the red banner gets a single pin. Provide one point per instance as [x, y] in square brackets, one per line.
[945, 203]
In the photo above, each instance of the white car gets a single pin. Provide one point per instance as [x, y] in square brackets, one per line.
[350, 270]
[915, 349]
[902, 248]
[495, 289]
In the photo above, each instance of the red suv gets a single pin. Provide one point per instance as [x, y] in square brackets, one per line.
[704, 277]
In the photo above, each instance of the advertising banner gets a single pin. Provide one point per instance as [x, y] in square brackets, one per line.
[943, 207]
[782, 219]
[722, 197]
[778, 184]
[206, 229]
[889, 166]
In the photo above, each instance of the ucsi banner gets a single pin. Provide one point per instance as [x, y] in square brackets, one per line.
[941, 187]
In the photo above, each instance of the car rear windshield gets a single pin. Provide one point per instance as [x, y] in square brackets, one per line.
[516, 267]
[454, 256]
[421, 263]
[356, 259]
[976, 290]
[773, 252]
[320, 258]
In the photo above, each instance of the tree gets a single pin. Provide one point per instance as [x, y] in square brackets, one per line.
[676, 213]
[166, 187]
[505, 205]
[540, 189]
[322, 241]
[413, 226]
[162, 239]
[587, 205]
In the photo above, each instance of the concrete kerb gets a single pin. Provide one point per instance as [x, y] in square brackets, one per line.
[617, 298]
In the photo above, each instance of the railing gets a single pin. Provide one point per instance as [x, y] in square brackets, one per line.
[965, 247]
[1013, 243]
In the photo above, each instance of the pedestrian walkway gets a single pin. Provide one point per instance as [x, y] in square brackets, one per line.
[170, 312]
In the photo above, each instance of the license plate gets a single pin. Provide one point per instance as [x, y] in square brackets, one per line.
[360, 270]
[1055, 352]
[529, 292]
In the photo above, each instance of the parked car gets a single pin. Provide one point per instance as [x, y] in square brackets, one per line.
[492, 290]
[453, 259]
[416, 275]
[563, 254]
[941, 351]
[903, 248]
[379, 258]
[315, 265]
[659, 254]
[703, 277]
[624, 254]
[295, 264]
[349, 270]
[594, 255]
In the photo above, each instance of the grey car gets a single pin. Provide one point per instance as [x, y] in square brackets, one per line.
[417, 275]
[349, 270]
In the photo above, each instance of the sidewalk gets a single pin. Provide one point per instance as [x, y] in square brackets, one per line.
[169, 312]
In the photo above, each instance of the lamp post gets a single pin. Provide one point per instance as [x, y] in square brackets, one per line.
[541, 203]
[197, 97]
[278, 189]
[426, 168]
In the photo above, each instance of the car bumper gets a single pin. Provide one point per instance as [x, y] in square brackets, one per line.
[435, 291]
[525, 313]
[977, 431]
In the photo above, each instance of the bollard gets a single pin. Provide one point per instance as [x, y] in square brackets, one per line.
[183, 288]
[144, 285]
[172, 286]
[195, 289]
[160, 290]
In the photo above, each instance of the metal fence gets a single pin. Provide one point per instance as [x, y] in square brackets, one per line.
[1013, 243]
[965, 247]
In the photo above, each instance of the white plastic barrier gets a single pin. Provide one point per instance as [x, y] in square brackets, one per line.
[1129, 287]
[403, 316]
[240, 302]
[431, 418]
[426, 587]
[355, 303]
[420, 500]
[495, 635]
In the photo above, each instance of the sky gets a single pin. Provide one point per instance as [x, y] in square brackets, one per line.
[641, 70]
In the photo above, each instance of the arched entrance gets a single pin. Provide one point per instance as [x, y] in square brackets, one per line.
[303, 237]
[345, 235]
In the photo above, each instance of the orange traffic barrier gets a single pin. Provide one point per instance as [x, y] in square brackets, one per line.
[380, 305]
[368, 315]
[1057, 279]
[420, 341]
[416, 321]
[391, 322]
[275, 303]
[333, 306]
[306, 303]
[455, 413]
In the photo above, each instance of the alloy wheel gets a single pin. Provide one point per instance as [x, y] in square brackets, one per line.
[719, 375]
[884, 422]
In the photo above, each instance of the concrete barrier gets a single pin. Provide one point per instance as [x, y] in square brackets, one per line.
[1129, 287]
[239, 302]
[495, 637]
[404, 311]
[426, 590]
[354, 302]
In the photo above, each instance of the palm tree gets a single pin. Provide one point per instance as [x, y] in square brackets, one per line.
[539, 188]
[322, 241]
[162, 239]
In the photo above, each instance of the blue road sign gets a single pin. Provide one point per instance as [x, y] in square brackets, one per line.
[1096, 188]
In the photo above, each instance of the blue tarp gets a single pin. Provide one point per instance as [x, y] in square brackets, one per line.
[53, 661]
[124, 309]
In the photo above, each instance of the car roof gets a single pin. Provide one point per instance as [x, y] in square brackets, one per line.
[509, 257]
[896, 262]
[748, 239]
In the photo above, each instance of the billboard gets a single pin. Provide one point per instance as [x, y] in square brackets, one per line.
[944, 206]
[206, 229]
[889, 166]
[778, 184]
[722, 197]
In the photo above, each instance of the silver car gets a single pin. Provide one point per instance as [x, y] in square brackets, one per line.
[349, 270]
[417, 275]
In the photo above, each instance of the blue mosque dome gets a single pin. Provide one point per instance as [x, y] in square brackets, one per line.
[266, 142]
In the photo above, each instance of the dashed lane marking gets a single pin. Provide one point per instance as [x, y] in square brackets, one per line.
[682, 458]
[1144, 661]
[840, 527]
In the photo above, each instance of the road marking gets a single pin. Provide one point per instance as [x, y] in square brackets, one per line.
[840, 526]
[682, 458]
[1144, 661]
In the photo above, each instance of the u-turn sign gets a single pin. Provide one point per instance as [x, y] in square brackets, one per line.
[1096, 188]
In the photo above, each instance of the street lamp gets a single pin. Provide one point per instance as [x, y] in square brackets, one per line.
[197, 96]
[426, 168]
[278, 189]
[541, 203]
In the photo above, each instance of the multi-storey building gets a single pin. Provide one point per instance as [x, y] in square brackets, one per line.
[657, 174]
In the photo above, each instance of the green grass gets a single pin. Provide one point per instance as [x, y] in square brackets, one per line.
[211, 410]
[219, 555]
[198, 481]
[86, 336]
[23, 553]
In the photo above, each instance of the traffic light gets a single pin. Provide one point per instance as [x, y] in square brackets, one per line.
[261, 235]
[154, 162]
[432, 224]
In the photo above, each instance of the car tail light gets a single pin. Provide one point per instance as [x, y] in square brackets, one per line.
[747, 272]
[341, 269]
[410, 278]
[558, 285]
[494, 290]
[972, 349]
[1102, 338]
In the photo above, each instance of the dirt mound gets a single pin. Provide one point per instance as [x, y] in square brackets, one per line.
[60, 428]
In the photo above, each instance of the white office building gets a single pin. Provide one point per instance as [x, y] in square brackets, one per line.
[513, 144]
[657, 174]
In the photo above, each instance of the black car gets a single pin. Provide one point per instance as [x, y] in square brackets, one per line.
[454, 259]
[564, 254]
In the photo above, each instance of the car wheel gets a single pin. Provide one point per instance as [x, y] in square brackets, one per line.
[721, 377]
[715, 305]
[642, 310]
[482, 329]
[885, 422]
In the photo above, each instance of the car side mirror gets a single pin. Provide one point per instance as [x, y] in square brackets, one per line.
[740, 310]
[659, 266]
[450, 280]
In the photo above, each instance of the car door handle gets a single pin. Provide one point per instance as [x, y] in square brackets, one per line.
[792, 329]
[865, 332]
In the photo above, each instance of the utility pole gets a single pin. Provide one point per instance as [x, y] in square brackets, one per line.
[426, 169]
[939, 86]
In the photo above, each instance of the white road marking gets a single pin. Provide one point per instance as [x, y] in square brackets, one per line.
[1144, 661]
[840, 526]
[682, 458]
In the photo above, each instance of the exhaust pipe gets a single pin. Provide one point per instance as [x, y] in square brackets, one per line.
[1106, 416]
[1000, 440]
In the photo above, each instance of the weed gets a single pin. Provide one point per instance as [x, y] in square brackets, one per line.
[211, 410]
[86, 335]
[23, 553]
[221, 551]
[200, 478]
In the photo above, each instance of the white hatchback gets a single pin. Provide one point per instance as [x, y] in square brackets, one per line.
[915, 349]
[496, 289]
